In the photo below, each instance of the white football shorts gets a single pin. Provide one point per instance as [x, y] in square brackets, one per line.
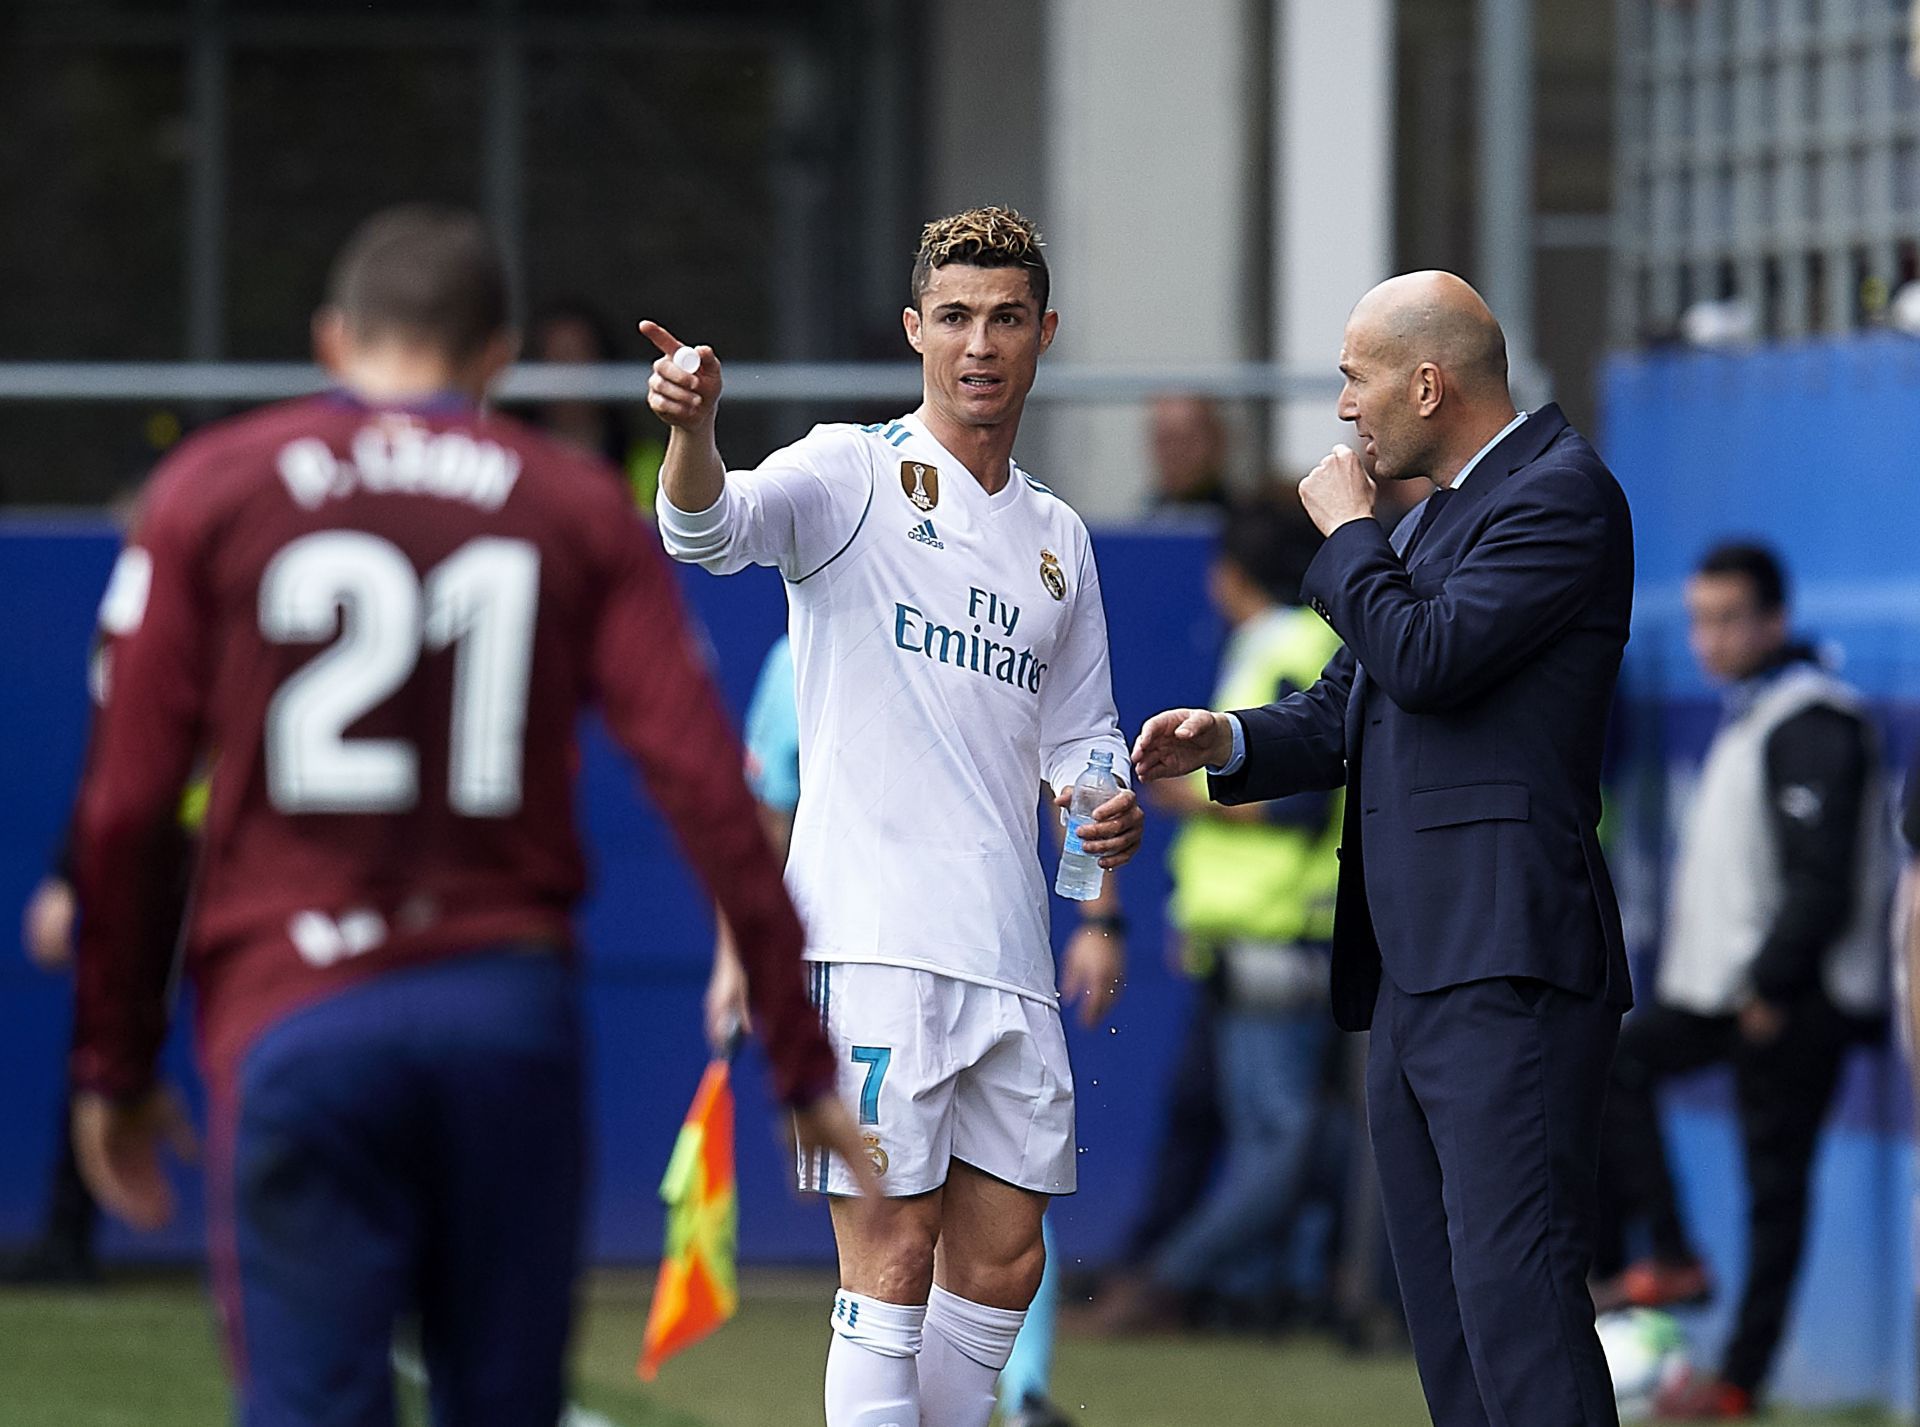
[937, 1069]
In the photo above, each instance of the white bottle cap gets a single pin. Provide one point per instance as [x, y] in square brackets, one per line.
[687, 359]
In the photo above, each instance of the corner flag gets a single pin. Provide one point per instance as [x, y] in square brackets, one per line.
[698, 1289]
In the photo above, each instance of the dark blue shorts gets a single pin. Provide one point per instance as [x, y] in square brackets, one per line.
[411, 1146]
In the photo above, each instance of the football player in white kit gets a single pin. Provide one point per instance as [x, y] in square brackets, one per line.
[950, 654]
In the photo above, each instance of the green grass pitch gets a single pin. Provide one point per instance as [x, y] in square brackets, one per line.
[143, 1354]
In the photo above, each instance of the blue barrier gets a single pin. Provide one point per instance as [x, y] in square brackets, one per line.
[647, 933]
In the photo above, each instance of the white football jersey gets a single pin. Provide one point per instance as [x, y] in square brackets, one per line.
[950, 652]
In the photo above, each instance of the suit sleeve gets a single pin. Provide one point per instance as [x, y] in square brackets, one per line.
[129, 853]
[1297, 744]
[796, 511]
[1306, 811]
[1514, 589]
[662, 707]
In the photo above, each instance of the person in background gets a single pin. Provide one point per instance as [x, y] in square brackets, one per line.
[63, 1254]
[1773, 960]
[64, 1251]
[1253, 905]
[385, 607]
[570, 331]
[1188, 436]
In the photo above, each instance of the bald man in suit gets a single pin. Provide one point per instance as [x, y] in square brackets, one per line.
[1476, 928]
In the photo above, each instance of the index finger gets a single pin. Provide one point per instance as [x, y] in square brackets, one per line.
[660, 337]
[1120, 803]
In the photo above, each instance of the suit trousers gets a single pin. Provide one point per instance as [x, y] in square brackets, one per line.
[1485, 1103]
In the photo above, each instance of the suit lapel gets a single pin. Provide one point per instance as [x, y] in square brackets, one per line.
[1524, 445]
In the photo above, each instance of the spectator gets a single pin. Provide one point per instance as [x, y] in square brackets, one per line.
[63, 1253]
[570, 331]
[1189, 440]
[1253, 903]
[1773, 959]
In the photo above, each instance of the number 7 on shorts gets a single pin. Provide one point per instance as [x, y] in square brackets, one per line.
[876, 1058]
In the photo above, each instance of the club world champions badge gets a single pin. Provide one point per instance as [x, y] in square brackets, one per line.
[921, 482]
[1052, 576]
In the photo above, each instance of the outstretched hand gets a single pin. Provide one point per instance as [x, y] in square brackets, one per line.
[681, 398]
[1181, 741]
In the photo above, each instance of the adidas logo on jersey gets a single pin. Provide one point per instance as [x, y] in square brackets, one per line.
[923, 532]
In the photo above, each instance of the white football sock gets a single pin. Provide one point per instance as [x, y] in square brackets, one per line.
[871, 1376]
[966, 1345]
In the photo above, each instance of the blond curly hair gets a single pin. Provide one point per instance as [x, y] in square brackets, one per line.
[990, 237]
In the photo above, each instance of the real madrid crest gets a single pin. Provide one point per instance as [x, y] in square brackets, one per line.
[921, 482]
[875, 1153]
[1052, 576]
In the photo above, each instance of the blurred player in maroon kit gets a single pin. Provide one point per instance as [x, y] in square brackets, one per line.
[379, 613]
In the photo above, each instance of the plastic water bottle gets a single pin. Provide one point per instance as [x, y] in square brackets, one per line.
[1080, 873]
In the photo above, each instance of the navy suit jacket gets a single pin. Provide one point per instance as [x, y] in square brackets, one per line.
[1466, 718]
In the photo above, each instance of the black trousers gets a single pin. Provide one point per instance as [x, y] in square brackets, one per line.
[1784, 1090]
[1485, 1105]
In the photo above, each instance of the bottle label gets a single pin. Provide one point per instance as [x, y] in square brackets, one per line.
[1073, 847]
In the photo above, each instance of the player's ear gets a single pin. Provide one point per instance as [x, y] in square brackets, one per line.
[330, 339]
[910, 319]
[1049, 324]
[1429, 388]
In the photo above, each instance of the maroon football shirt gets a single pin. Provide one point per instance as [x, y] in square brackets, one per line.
[378, 627]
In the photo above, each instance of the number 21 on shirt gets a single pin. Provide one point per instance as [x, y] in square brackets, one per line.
[480, 601]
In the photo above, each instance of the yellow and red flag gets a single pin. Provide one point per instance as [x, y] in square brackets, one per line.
[698, 1288]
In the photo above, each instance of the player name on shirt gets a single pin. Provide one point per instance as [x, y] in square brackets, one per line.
[915, 633]
[394, 454]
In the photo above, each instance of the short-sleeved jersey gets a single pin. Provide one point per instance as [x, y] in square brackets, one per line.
[377, 629]
[950, 653]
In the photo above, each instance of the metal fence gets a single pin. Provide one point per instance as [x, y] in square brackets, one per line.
[246, 382]
[1768, 162]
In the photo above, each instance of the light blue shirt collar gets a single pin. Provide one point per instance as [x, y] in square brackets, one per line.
[1503, 434]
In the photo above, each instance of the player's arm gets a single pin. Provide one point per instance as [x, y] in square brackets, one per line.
[1543, 551]
[795, 512]
[1093, 967]
[663, 708]
[773, 773]
[687, 398]
[128, 858]
[728, 1013]
[1077, 718]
